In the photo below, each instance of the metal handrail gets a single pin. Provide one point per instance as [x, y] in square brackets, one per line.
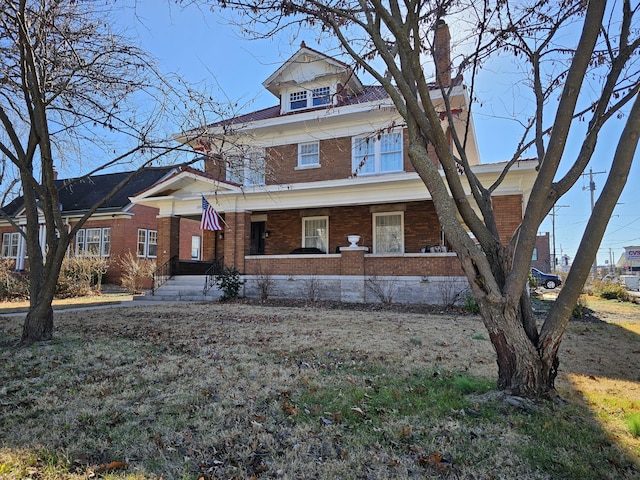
[210, 275]
[163, 273]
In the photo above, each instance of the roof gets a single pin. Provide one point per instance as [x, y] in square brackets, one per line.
[80, 194]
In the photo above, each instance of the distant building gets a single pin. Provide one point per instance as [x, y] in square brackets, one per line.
[541, 258]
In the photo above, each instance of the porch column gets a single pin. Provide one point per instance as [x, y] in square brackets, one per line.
[168, 238]
[237, 235]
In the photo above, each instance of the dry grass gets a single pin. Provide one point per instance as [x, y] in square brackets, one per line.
[240, 391]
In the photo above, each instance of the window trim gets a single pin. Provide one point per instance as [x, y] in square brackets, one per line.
[10, 245]
[104, 245]
[315, 218]
[298, 97]
[253, 158]
[375, 232]
[376, 141]
[146, 243]
[302, 155]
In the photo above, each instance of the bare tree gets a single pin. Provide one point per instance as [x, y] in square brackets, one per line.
[73, 92]
[579, 63]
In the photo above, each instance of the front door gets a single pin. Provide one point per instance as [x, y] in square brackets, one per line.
[257, 238]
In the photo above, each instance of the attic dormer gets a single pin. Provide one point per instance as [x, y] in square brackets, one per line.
[310, 79]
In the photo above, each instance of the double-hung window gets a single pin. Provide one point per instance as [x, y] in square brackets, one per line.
[377, 154]
[247, 170]
[93, 242]
[388, 232]
[315, 233]
[147, 243]
[303, 99]
[321, 96]
[298, 100]
[308, 154]
[10, 243]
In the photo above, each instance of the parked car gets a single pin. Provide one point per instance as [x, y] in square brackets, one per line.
[547, 280]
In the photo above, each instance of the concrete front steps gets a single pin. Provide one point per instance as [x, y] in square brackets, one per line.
[184, 288]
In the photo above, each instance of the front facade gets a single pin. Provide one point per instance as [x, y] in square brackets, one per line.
[294, 181]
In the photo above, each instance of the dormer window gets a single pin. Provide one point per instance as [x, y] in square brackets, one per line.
[303, 99]
[321, 96]
[298, 100]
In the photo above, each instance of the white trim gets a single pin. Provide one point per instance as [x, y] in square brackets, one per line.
[374, 216]
[325, 238]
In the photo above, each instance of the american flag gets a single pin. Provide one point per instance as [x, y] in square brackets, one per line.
[210, 219]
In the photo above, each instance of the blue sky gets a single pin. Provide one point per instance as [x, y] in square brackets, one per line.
[202, 48]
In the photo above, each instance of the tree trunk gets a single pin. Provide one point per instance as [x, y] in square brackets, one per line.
[38, 325]
[522, 369]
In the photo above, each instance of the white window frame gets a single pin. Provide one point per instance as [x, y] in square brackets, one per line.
[248, 169]
[321, 96]
[376, 241]
[196, 246]
[82, 248]
[298, 100]
[10, 242]
[147, 243]
[324, 238]
[372, 162]
[307, 159]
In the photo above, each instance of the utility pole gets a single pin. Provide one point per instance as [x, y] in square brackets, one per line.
[592, 188]
[554, 263]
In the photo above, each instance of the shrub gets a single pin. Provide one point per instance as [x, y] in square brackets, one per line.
[611, 291]
[470, 304]
[633, 424]
[13, 285]
[580, 309]
[80, 276]
[229, 282]
[136, 272]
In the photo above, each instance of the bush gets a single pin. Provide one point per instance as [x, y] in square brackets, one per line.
[580, 309]
[13, 285]
[611, 291]
[470, 304]
[229, 282]
[136, 272]
[80, 276]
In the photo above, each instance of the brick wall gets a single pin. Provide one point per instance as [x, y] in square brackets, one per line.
[508, 211]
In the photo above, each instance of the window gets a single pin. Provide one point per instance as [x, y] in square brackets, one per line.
[298, 100]
[534, 256]
[308, 154]
[379, 154]
[247, 170]
[195, 247]
[388, 232]
[315, 233]
[93, 242]
[147, 243]
[307, 99]
[321, 96]
[10, 243]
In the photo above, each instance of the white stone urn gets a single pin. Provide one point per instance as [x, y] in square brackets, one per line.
[353, 240]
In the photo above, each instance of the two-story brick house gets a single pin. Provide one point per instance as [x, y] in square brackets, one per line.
[114, 230]
[330, 160]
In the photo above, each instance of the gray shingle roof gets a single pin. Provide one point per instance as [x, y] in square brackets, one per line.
[77, 195]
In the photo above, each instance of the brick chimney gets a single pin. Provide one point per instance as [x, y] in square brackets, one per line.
[214, 166]
[442, 52]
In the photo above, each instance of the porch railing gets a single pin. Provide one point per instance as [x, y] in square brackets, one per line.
[211, 274]
[163, 273]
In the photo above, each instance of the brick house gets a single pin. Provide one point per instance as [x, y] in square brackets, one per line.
[116, 228]
[542, 258]
[330, 160]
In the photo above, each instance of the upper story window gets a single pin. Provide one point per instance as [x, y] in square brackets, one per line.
[93, 242]
[377, 154]
[147, 243]
[308, 154]
[247, 170]
[10, 243]
[321, 96]
[309, 98]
